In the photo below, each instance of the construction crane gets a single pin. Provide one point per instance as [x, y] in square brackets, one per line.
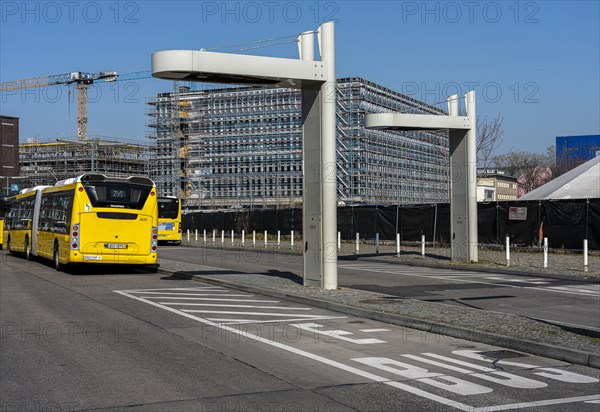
[82, 81]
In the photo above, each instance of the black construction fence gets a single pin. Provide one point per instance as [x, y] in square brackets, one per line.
[564, 222]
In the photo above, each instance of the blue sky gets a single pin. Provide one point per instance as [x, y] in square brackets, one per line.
[536, 63]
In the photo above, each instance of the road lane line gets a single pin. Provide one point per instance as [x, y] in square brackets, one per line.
[214, 299]
[212, 305]
[542, 288]
[191, 294]
[229, 321]
[374, 330]
[225, 312]
[209, 288]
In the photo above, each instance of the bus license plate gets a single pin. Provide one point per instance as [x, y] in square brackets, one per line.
[115, 246]
[166, 226]
[91, 257]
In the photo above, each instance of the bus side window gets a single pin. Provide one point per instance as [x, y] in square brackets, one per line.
[43, 223]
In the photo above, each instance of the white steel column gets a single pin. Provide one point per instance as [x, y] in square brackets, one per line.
[328, 161]
[473, 237]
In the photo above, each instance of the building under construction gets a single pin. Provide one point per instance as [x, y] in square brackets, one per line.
[242, 148]
[45, 163]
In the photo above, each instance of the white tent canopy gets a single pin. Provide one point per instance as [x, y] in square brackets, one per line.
[583, 182]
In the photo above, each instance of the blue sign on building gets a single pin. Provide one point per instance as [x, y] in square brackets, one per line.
[14, 187]
[571, 151]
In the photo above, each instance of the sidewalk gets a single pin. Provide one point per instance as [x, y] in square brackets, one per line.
[563, 342]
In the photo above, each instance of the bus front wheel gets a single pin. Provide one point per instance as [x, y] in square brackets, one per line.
[57, 264]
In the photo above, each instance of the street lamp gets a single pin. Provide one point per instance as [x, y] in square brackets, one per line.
[316, 80]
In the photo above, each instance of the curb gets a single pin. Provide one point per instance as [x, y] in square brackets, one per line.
[523, 345]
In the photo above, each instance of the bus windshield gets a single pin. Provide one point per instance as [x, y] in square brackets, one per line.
[168, 208]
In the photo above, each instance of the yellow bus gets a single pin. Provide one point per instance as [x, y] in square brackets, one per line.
[88, 219]
[3, 208]
[169, 219]
[18, 222]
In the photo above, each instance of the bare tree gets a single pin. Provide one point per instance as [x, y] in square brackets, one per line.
[563, 162]
[551, 160]
[532, 169]
[489, 133]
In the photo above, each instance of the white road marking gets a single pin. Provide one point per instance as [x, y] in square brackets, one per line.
[505, 378]
[572, 290]
[212, 305]
[575, 289]
[550, 373]
[209, 288]
[374, 330]
[227, 312]
[214, 299]
[546, 402]
[229, 321]
[529, 281]
[336, 334]
[192, 294]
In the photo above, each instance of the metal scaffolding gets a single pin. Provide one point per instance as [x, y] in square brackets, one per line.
[231, 148]
[45, 163]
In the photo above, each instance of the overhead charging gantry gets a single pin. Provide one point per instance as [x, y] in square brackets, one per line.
[463, 165]
[316, 80]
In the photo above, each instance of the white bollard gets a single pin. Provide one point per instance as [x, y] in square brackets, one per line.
[339, 241]
[357, 243]
[188, 235]
[585, 255]
[214, 235]
[196, 235]
[232, 238]
[265, 238]
[292, 240]
[204, 235]
[377, 244]
[545, 252]
[278, 238]
[422, 245]
[507, 251]
[397, 244]
[222, 237]
[253, 238]
[243, 235]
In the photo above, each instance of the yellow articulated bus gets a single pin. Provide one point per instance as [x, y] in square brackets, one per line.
[88, 219]
[169, 219]
[3, 208]
[18, 222]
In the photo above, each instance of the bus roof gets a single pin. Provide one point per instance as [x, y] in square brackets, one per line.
[100, 178]
[32, 189]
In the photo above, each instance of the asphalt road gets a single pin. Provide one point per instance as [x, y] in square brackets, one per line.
[114, 339]
[552, 300]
